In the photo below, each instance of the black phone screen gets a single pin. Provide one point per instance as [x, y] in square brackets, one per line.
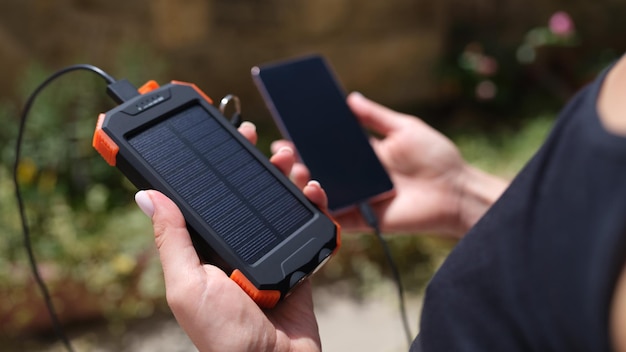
[310, 109]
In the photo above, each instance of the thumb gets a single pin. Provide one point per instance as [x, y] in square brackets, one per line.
[374, 116]
[176, 250]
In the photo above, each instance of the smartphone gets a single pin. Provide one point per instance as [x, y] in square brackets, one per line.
[309, 107]
[243, 215]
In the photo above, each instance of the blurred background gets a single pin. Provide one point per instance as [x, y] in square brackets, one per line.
[490, 74]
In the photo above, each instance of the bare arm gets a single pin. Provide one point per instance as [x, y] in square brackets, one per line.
[479, 190]
[612, 109]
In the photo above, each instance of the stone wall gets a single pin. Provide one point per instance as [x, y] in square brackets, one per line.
[382, 48]
[385, 49]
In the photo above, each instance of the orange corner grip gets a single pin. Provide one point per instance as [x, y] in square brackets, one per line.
[148, 87]
[104, 144]
[206, 97]
[263, 298]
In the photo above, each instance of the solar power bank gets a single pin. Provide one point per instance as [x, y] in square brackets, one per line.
[242, 213]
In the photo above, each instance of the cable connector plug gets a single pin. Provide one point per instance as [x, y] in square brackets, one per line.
[122, 91]
[368, 214]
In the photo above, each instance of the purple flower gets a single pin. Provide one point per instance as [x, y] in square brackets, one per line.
[487, 66]
[561, 24]
[486, 90]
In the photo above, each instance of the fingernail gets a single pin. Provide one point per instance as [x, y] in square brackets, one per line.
[357, 95]
[314, 183]
[145, 203]
[248, 124]
[285, 150]
[275, 146]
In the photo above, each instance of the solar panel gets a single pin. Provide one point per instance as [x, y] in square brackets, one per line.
[223, 183]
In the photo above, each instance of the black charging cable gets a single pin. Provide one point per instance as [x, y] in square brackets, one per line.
[372, 220]
[20, 201]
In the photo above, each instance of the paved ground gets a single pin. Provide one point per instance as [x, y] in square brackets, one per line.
[372, 324]
[346, 324]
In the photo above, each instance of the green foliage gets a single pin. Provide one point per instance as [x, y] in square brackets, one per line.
[488, 78]
[506, 150]
[84, 225]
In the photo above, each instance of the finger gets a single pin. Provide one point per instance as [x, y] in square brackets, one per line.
[373, 115]
[276, 145]
[352, 221]
[248, 130]
[171, 236]
[300, 175]
[283, 160]
[314, 192]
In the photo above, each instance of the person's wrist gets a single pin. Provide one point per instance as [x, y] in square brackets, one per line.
[303, 344]
[477, 191]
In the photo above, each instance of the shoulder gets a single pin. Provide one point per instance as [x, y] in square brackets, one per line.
[612, 111]
[612, 100]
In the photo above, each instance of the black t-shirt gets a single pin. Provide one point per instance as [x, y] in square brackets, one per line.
[537, 272]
